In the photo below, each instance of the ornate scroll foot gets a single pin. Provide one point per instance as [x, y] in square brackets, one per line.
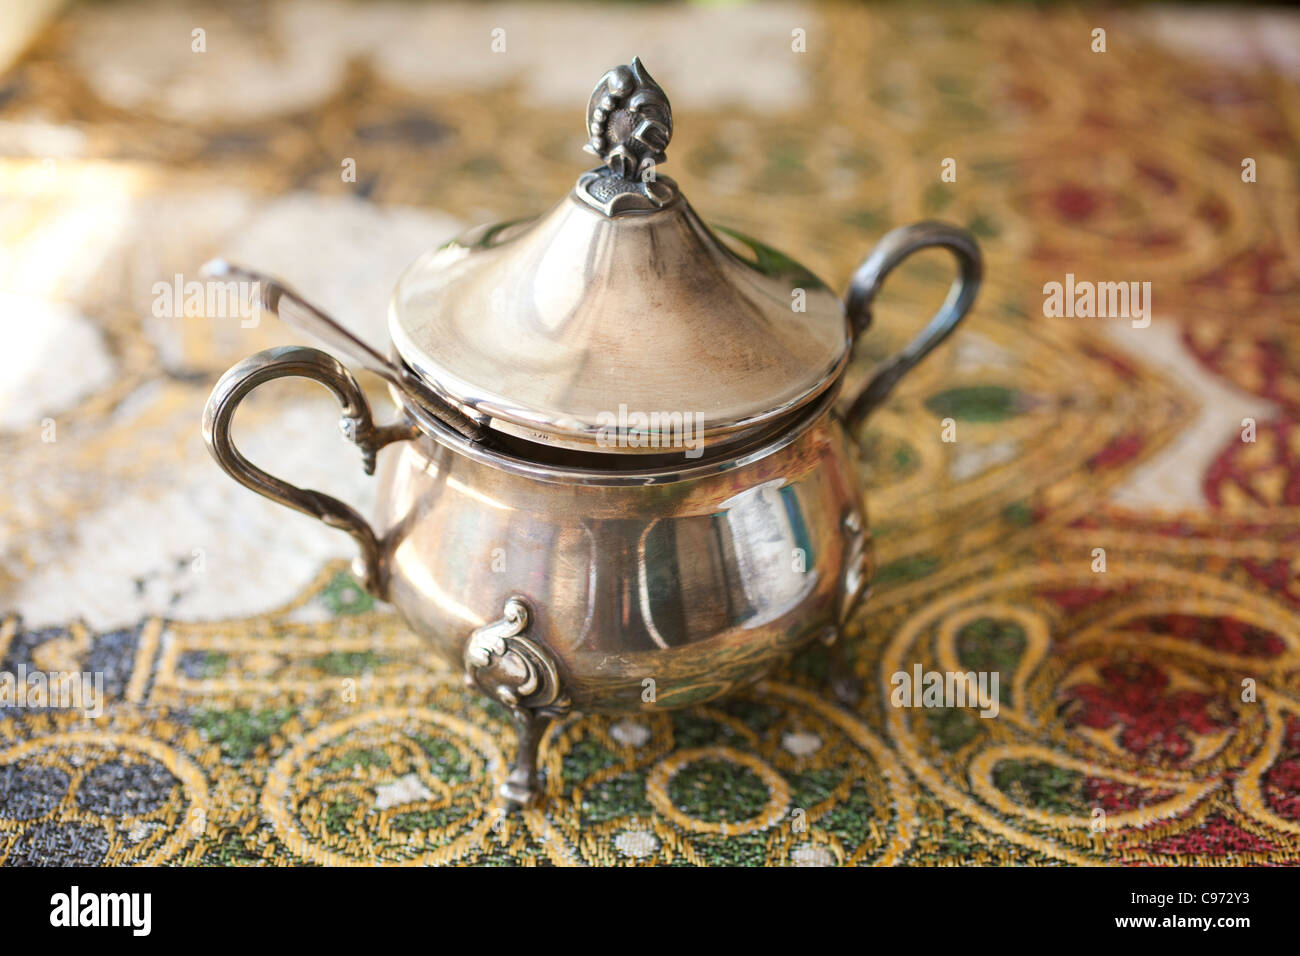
[521, 674]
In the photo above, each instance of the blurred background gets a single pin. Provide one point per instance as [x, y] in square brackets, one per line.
[331, 142]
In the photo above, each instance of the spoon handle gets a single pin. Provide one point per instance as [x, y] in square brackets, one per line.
[278, 299]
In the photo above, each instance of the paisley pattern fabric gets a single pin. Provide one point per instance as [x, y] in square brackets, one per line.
[1115, 529]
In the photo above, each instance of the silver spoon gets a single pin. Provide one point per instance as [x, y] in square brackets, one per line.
[278, 299]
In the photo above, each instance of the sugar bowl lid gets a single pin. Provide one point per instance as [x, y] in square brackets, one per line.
[618, 321]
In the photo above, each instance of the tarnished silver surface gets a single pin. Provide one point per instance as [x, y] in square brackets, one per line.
[627, 578]
[550, 327]
[697, 584]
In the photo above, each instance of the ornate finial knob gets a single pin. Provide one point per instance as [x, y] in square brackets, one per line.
[629, 121]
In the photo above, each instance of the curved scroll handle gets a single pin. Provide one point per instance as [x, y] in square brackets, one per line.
[889, 252]
[357, 423]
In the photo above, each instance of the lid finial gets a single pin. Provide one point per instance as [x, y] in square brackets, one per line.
[629, 122]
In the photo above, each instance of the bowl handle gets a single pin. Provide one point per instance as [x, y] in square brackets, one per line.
[896, 246]
[358, 426]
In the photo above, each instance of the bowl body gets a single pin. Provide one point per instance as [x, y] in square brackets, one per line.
[644, 593]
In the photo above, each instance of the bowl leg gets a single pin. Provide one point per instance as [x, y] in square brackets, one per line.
[844, 681]
[523, 787]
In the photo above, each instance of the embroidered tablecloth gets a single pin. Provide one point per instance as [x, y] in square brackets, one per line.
[1103, 510]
